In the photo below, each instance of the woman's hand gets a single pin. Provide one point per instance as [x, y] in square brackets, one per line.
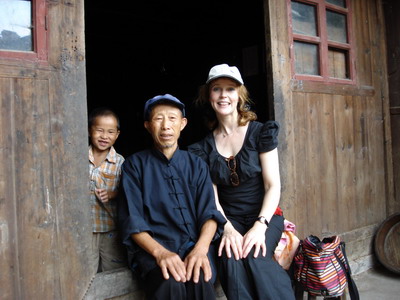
[231, 239]
[255, 237]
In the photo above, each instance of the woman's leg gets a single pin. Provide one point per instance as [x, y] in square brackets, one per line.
[271, 281]
[233, 275]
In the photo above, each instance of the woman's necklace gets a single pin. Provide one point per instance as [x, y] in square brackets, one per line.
[229, 143]
[226, 134]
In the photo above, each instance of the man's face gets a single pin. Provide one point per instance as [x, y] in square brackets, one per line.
[165, 125]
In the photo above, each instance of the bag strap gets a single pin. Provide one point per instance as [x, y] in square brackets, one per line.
[353, 290]
[299, 247]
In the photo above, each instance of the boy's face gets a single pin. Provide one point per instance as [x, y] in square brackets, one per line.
[103, 133]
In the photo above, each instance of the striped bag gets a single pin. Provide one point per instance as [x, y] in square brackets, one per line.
[321, 267]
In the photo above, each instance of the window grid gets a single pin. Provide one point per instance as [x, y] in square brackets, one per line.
[325, 47]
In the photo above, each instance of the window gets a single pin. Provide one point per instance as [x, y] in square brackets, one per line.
[22, 29]
[321, 45]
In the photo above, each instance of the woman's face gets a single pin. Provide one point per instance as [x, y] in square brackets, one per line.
[224, 96]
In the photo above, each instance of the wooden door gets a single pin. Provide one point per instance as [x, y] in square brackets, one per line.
[44, 210]
[335, 140]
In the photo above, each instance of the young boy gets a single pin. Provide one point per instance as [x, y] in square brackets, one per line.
[105, 170]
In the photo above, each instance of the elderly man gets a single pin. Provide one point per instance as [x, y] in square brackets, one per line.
[167, 210]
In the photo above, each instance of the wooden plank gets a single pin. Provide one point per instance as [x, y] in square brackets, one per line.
[71, 187]
[34, 198]
[314, 202]
[362, 38]
[327, 167]
[382, 72]
[361, 164]
[68, 109]
[278, 64]
[8, 255]
[343, 111]
[377, 162]
[334, 89]
[300, 135]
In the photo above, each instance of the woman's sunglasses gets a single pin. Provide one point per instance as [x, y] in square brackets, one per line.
[234, 177]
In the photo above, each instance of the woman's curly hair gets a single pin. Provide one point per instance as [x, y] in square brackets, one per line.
[245, 114]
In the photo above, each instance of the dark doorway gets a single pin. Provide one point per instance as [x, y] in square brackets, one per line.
[391, 10]
[140, 49]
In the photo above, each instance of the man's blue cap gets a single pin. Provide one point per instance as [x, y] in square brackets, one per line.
[160, 99]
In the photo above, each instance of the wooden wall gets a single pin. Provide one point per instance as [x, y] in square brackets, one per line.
[44, 210]
[335, 143]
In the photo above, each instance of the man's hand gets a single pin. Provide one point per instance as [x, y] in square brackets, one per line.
[168, 261]
[196, 260]
[171, 263]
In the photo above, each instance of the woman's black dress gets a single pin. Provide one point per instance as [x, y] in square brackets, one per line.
[250, 278]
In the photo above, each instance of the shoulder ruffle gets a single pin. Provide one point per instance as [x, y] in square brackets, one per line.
[206, 150]
[199, 150]
[268, 137]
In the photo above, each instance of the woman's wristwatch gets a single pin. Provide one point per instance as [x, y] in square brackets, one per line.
[263, 220]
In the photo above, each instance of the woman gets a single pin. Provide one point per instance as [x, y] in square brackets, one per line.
[243, 160]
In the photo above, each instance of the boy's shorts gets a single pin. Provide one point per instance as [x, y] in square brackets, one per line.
[108, 252]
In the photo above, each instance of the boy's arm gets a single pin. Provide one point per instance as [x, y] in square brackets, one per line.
[104, 195]
[197, 258]
[109, 195]
[169, 262]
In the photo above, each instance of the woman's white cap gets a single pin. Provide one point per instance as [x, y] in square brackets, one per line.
[224, 71]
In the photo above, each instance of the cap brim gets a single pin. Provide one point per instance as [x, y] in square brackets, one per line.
[223, 76]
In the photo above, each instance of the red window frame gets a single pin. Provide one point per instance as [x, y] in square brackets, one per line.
[323, 43]
[39, 36]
